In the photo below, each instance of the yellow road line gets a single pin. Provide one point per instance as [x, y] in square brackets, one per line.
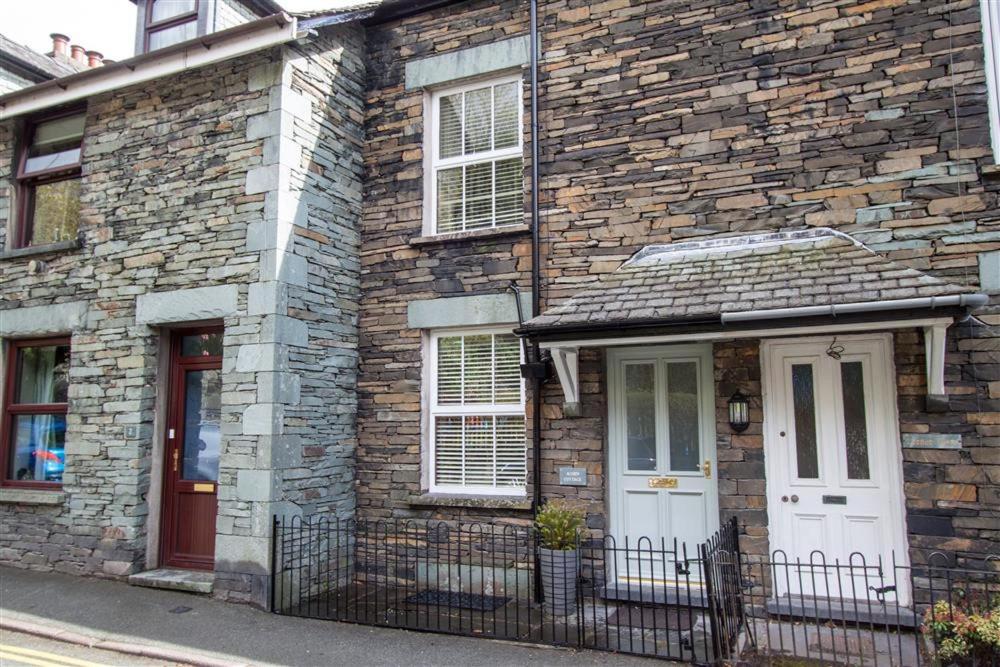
[43, 658]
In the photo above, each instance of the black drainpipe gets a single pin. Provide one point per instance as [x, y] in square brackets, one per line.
[536, 381]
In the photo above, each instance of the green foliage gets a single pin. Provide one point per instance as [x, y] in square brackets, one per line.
[965, 632]
[559, 525]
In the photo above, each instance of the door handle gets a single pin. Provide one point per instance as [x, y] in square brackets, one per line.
[795, 498]
[706, 468]
[176, 454]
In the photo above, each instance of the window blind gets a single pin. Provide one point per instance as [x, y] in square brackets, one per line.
[478, 427]
[478, 164]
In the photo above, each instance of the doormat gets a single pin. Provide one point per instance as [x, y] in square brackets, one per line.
[458, 600]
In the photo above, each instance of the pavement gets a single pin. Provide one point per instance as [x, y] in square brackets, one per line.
[169, 627]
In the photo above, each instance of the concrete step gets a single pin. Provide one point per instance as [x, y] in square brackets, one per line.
[175, 579]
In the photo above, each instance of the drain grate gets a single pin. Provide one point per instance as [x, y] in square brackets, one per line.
[474, 601]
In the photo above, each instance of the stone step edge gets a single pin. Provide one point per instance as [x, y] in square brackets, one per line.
[143, 579]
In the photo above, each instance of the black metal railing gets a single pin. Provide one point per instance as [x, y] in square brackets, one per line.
[870, 613]
[634, 596]
[707, 605]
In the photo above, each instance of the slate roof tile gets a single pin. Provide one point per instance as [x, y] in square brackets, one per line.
[739, 273]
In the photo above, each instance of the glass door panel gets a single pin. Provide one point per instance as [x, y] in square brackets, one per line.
[640, 416]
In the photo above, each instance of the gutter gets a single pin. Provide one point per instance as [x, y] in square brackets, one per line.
[536, 272]
[971, 301]
[198, 52]
[968, 301]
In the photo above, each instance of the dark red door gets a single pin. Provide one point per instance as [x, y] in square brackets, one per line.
[193, 442]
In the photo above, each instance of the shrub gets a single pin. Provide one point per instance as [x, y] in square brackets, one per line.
[964, 632]
[559, 524]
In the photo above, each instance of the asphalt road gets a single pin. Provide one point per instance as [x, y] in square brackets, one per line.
[21, 650]
[238, 634]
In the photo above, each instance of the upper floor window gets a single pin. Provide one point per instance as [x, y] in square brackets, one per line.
[34, 412]
[49, 180]
[477, 429]
[170, 22]
[475, 141]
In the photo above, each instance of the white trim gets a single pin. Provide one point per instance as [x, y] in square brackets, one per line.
[566, 361]
[934, 348]
[883, 379]
[431, 148]
[990, 11]
[206, 50]
[570, 381]
[430, 409]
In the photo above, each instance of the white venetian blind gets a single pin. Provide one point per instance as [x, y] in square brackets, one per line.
[478, 438]
[478, 166]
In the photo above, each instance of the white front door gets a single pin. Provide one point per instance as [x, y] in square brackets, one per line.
[833, 462]
[661, 451]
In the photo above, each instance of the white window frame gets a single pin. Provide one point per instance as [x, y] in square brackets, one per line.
[431, 409]
[432, 147]
[990, 12]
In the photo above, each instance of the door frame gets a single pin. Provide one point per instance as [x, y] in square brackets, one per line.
[173, 419]
[616, 423]
[885, 399]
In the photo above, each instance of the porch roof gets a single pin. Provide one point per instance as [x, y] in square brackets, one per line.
[815, 272]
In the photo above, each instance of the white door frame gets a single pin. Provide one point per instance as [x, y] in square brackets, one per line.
[616, 427]
[887, 420]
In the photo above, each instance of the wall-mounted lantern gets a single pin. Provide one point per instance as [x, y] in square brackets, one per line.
[739, 412]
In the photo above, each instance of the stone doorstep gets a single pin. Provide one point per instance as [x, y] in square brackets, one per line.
[802, 607]
[175, 579]
[681, 594]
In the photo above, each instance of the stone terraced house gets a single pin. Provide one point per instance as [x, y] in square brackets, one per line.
[280, 265]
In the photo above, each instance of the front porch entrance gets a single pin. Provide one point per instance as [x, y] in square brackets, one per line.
[193, 439]
[661, 454]
[833, 465]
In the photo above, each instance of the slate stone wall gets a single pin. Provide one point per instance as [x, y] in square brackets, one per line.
[664, 121]
[397, 268]
[245, 174]
[145, 226]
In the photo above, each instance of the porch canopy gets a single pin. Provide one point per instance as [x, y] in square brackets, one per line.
[816, 281]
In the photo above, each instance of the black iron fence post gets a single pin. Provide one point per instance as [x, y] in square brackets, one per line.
[274, 561]
[710, 600]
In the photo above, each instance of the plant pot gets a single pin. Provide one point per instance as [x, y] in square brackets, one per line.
[560, 570]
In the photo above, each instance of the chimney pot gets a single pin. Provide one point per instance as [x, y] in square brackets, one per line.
[77, 53]
[59, 44]
[95, 59]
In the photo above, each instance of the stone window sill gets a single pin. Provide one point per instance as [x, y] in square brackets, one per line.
[472, 502]
[9, 494]
[48, 248]
[479, 234]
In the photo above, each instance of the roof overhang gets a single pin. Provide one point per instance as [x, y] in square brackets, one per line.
[565, 348]
[205, 50]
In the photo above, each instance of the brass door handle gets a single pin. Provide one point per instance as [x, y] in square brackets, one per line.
[176, 454]
[706, 468]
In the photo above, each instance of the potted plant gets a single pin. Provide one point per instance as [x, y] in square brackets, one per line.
[559, 526]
